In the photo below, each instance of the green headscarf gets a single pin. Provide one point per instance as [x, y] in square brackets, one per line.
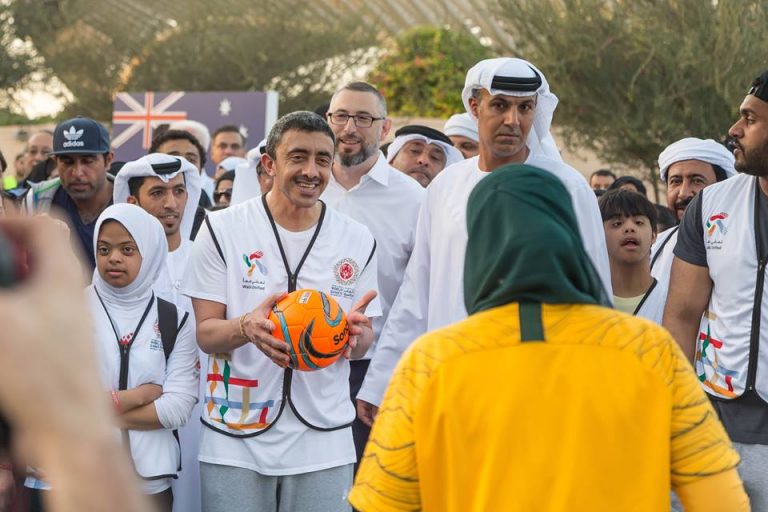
[524, 244]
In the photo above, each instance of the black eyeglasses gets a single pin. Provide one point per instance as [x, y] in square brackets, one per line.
[219, 193]
[360, 120]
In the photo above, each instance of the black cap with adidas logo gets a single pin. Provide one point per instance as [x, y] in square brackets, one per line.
[80, 136]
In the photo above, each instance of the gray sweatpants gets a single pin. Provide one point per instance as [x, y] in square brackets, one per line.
[228, 488]
[753, 471]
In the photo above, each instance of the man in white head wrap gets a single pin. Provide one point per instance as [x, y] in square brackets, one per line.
[513, 106]
[462, 130]
[686, 166]
[228, 164]
[421, 152]
[169, 187]
[250, 179]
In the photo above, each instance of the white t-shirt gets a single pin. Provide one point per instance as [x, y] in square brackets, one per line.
[388, 203]
[253, 270]
[432, 293]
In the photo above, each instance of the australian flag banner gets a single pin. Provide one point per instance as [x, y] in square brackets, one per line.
[136, 116]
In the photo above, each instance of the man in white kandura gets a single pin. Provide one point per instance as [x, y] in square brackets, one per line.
[513, 105]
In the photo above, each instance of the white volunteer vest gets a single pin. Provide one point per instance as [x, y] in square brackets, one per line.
[155, 453]
[246, 392]
[652, 304]
[728, 357]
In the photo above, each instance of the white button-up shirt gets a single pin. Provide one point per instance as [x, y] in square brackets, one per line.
[388, 203]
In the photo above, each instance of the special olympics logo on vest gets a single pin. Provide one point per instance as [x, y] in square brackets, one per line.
[346, 272]
[716, 230]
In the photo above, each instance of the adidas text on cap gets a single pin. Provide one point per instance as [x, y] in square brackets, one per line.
[80, 136]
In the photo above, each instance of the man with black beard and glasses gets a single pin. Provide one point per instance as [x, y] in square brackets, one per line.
[717, 298]
[365, 187]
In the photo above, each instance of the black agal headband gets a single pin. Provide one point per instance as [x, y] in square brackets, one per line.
[167, 167]
[517, 84]
[759, 87]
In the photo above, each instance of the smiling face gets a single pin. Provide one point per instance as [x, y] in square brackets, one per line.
[355, 144]
[629, 238]
[503, 125]
[117, 255]
[166, 201]
[301, 168]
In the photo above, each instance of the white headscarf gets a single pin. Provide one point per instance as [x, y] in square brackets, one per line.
[540, 140]
[246, 185]
[463, 125]
[196, 128]
[452, 155]
[692, 148]
[143, 167]
[231, 162]
[149, 236]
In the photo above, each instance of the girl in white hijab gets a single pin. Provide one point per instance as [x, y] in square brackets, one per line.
[152, 393]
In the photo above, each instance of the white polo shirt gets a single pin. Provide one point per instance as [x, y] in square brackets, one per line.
[432, 293]
[388, 203]
[245, 388]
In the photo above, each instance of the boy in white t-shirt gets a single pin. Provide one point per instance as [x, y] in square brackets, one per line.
[275, 437]
[629, 219]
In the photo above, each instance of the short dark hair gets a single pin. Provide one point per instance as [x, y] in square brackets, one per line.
[167, 135]
[720, 174]
[665, 218]
[602, 172]
[302, 121]
[629, 180]
[134, 185]
[3, 163]
[364, 87]
[228, 128]
[625, 203]
[229, 175]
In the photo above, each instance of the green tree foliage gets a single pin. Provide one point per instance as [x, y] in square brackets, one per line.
[423, 72]
[635, 75]
[99, 48]
[16, 67]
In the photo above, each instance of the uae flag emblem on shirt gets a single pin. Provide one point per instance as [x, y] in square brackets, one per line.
[137, 115]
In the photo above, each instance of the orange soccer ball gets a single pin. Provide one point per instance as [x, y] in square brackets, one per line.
[314, 326]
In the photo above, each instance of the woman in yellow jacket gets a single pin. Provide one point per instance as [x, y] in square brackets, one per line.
[544, 399]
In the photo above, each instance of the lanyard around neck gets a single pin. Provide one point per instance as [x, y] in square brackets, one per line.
[293, 276]
[125, 347]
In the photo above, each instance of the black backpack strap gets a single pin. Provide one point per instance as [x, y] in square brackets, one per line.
[167, 320]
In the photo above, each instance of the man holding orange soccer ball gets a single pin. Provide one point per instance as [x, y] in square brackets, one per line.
[276, 437]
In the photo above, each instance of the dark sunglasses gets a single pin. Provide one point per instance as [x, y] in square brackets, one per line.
[217, 195]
